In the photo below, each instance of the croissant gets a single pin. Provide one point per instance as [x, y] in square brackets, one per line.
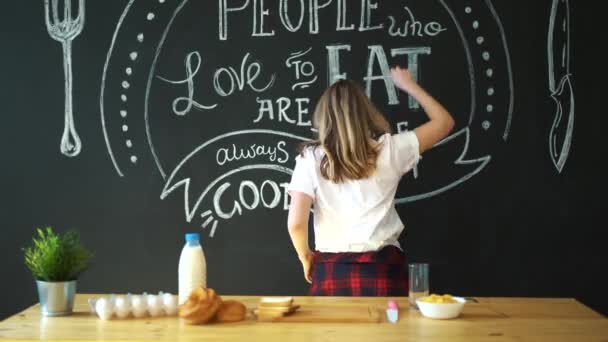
[201, 306]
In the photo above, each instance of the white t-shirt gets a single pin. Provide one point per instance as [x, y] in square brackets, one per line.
[357, 215]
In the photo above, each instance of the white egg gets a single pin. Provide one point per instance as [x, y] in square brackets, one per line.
[169, 304]
[122, 307]
[104, 308]
[155, 307]
[139, 307]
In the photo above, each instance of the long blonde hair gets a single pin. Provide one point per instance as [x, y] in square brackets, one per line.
[347, 123]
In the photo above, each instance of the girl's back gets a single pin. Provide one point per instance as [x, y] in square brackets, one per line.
[357, 215]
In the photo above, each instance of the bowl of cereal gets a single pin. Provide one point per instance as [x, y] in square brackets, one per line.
[440, 306]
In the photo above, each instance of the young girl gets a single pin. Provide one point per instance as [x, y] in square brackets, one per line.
[350, 176]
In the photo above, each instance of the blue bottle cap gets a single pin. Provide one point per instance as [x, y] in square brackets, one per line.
[193, 237]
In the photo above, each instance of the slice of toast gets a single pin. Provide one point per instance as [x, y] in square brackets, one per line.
[275, 302]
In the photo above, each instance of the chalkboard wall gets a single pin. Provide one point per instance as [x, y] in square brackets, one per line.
[153, 118]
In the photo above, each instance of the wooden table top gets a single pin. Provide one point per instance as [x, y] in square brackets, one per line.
[495, 319]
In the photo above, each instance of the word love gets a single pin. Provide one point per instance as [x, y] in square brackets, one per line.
[226, 81]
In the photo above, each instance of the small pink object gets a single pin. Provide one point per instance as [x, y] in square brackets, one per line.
[392, 311]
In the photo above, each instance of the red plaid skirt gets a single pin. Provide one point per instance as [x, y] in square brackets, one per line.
[381, 273]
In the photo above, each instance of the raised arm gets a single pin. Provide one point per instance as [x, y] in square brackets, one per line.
[440, 122]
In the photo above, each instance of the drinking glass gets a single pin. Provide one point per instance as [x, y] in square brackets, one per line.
[418, 282]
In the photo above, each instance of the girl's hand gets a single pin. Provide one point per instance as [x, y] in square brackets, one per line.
[403, 79]
[307, 262]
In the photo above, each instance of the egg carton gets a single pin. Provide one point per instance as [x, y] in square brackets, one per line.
[138, 306]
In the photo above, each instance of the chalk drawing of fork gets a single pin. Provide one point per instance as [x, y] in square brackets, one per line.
[64, 31]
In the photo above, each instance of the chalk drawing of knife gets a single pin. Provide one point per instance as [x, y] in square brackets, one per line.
[560, 85]
[65, 30]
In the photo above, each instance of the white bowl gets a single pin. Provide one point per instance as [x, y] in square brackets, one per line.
[441, 310]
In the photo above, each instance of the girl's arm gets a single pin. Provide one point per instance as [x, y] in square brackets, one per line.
[441, 122]
[297, 222]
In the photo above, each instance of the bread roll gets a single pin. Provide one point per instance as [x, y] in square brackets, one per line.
[201, 306]
[231, 311]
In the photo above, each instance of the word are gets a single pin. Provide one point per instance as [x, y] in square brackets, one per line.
[276, 153]
[283, 104]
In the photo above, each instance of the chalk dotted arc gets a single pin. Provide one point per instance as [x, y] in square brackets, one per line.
[125, 82]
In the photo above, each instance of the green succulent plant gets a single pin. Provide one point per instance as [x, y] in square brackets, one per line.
[56, 257]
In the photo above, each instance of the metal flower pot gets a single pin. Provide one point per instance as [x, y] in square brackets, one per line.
[57, 297]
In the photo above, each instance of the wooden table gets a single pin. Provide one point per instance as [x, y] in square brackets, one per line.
[491, 319]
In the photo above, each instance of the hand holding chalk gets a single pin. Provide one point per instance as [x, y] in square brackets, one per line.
[403, 79]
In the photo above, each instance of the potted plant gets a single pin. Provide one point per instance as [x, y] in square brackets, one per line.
[56, 261]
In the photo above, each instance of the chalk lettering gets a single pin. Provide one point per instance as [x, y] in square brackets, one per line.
[193, 64]
[366, 16]
[342, 15]
[413, 27]
[314, 8]
[276, 153]
[412, 65]
[283, 105]
[216, 204]
[377, 54]
[258, 24]
[283, 13]
[241, 78]
[333, 62]
[223, 16]
[254, 191]
[268, 194]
